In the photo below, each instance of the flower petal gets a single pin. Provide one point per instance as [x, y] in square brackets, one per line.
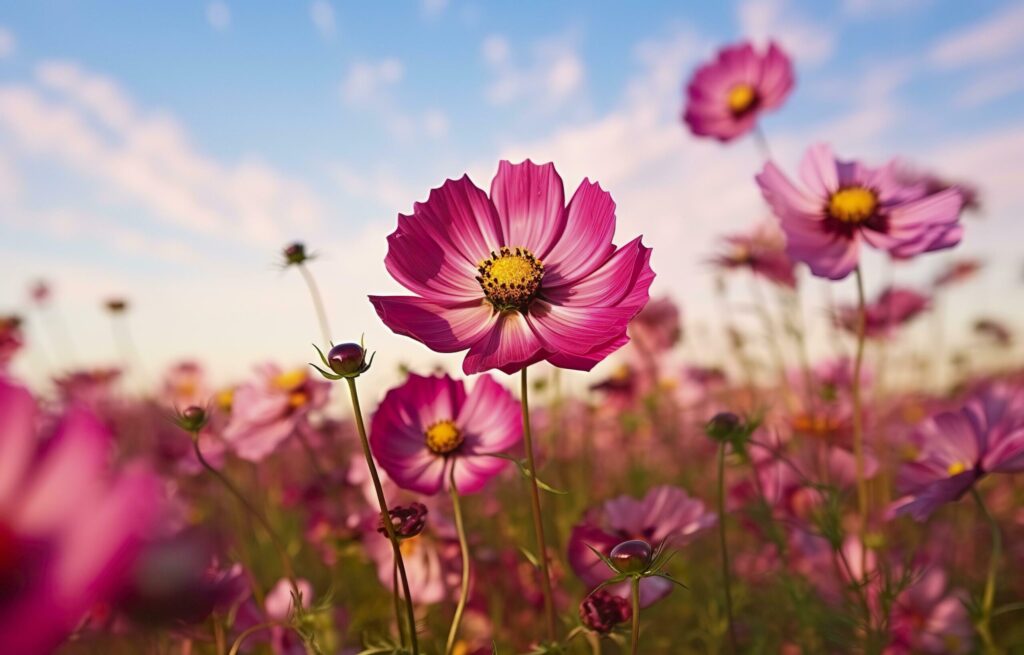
[459, 213]
[509, 346]
[607, 286]
[490, 418]
[819, 170]
[530, 201]
[586, 242]
[17, 437]
[442, 327]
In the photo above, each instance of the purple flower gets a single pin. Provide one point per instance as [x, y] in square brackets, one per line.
[929, 618]
[959, 448]
[69, 530]
[518, 277]
[895, 307]
[664, 514]
[762, 251]
[844, 203]
[430, 425]
[725, 96]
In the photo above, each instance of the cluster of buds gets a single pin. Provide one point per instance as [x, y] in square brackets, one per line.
[345, 360]
[408, 521]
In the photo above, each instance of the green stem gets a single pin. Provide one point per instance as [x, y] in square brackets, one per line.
[726, 578]
[538, 520]
[984, 625]
[385, 515]
[460, 528]
[397, 598]
[282, 553]
[858, 419]
[318, 303]
[634, 584]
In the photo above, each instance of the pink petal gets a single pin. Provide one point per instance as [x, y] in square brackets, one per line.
[608, 285]
[591, 359]
[460, 213]
[428, 267]
[530, 201]
[509, 346]
[586, 242]
[818, 170]
[442, 327]
[17, 437]
[577, 330]
[785, 199]
[490, 417]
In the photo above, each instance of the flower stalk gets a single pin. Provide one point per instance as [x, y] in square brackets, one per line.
[984, 624]
[726, 578]
[460, 529]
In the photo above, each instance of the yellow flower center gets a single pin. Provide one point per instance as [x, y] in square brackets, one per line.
[290, 380]
[510, 278]
[956, 468]
[443, 437]
[741, 99]
[853, 204]
[225, 398]
[408, 546]
[297, 399]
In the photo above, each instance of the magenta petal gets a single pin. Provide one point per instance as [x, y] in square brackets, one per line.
[458, 212]
[530, 202]
[577, 330]
[490, 417]
[473, 473]
[591, 359]
[509, 345]
[785, 199]
[608, 285]
[587, 240]
[17, 437]
[442, 327]
[818, 170]
[427, 267]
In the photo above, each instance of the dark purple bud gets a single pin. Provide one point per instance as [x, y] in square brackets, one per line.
[601, 611]
[723, 425]
[347, 359]
[408, 520]
[192, 419]
[630, 557]
[295, 254]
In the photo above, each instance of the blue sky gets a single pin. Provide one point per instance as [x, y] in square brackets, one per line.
[165, 151]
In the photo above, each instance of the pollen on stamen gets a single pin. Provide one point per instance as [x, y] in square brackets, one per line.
[510, 278]
[853, 204]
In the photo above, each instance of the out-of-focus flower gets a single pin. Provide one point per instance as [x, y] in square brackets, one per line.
[894, 308]
[93, 388]
[726, 96]
[40, 292]
[432, 562]
[909, 174]
[845, 203]
[430, 425]
[657, 328]
[270, 408]
[408, 520]
[601, 611]
[958, 271]
[278, 607]
[185, 384]
[928, 618]
[518, 277]
[959, 448]
[762, 251]
[11, 339]
[69, 527]
[665, 514]
[994, 331]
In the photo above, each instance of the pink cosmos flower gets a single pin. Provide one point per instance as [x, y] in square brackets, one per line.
[894, 307]
[185, 384]
[516, 278]
[69, 528]
[726, 96]
[762, 251]
[93, 388]
[430, 425]
[958, 271]
[271, 408]
[657, 328]
[928, 618]
[959, 448]
[665, 514]
[845, 203]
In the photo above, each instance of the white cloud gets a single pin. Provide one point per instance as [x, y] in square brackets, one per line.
[990, 86]
[369, 82]
[552, 73]
[809, 42]
[435, 123]
[8, 42]
[321, 12]
[218, 15]
[92, 128]
[432, 8]
[874, 8]
[994, 37]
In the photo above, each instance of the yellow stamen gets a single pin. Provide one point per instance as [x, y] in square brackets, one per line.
[956, 468]
[297, 399]
[290, 380]
[853, 204]
[443, 437]
[510, 278]
[741, 99]
[408, 546]
[225, 398]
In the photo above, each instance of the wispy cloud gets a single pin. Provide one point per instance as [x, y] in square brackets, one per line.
[321, 12]
[809, 41]
[368, 83]
[218, 15]
[547, 75]
[994, 37]
[8, 42]
[433, 8]
[989, 86]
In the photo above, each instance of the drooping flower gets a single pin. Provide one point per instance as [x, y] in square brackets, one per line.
[518, 277]
[69, 527]
[726, 96]
[894, 307]
[762, 251]
[601, 611]
[665, 514]
[429, 425]
[845, 203]
[959, 448]
[269, 409]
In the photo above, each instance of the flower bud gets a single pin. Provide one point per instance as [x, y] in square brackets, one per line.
[407, 520]
[631, 557]
[116, 305]
[295, 254]
[192, 419]
[347, 359]
[723, 426]
[601, 611]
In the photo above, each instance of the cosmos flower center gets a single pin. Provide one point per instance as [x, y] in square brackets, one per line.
[290, 380]
[956, 468]
[510, 278]
[741, 99]
[443, 437]
[852, 204]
